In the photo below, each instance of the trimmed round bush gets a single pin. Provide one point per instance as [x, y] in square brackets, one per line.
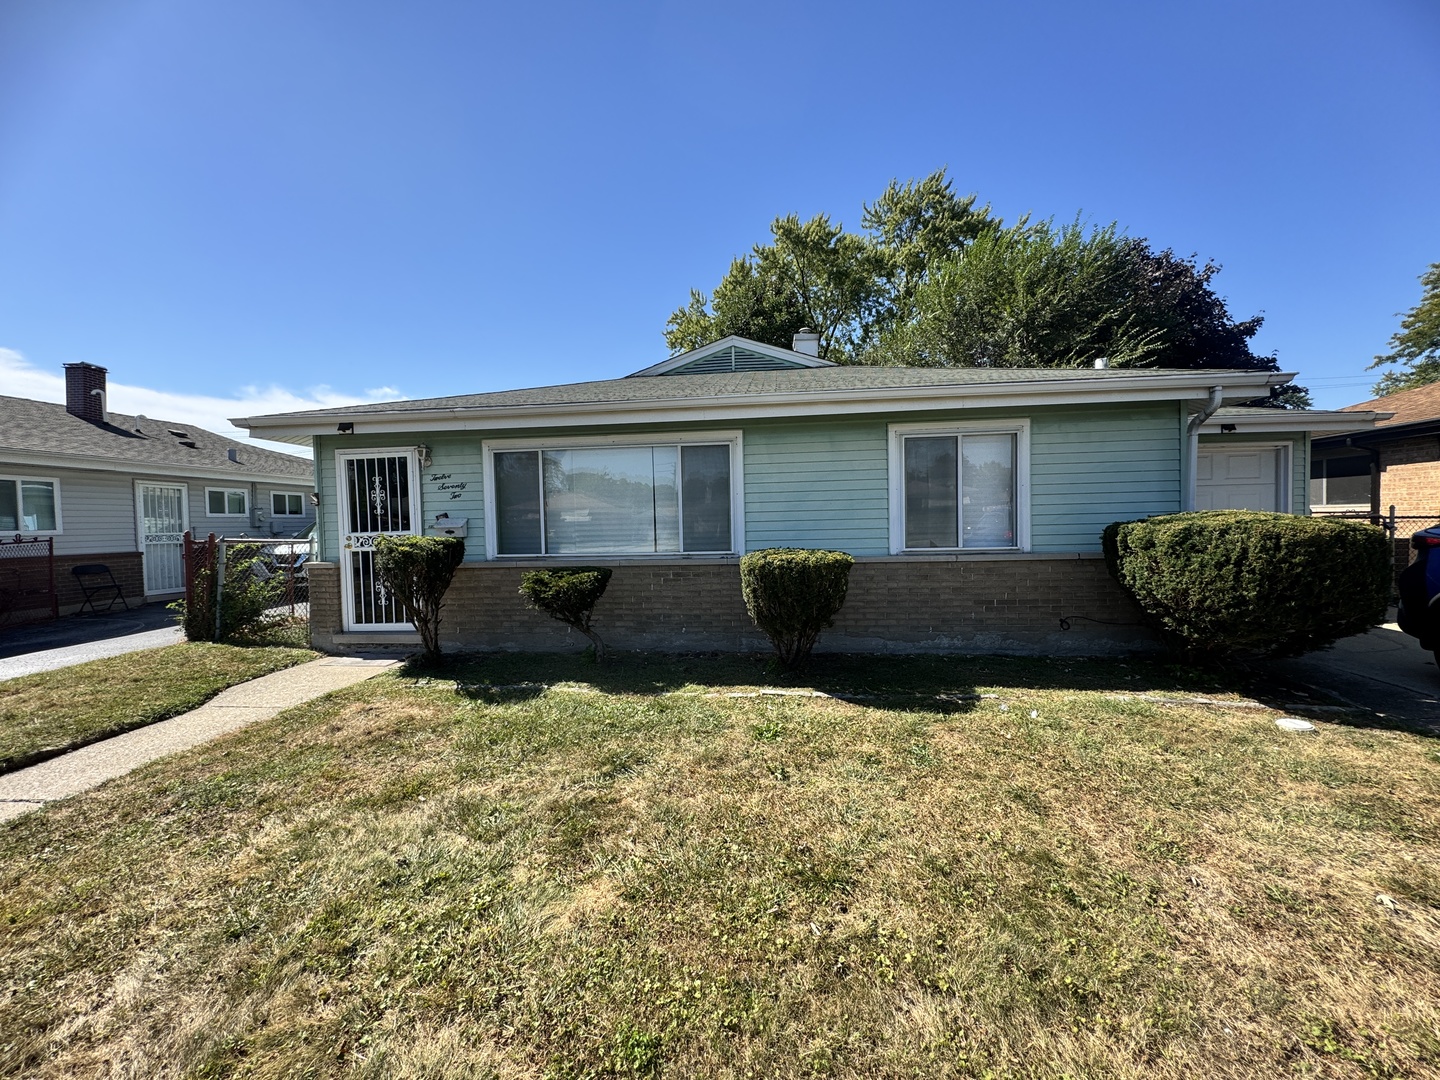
[793, 594]
[418, 570]
[569, 594]
[1235, 582]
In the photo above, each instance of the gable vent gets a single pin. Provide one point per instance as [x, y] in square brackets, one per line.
[733, 358]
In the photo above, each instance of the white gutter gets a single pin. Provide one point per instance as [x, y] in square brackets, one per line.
[1192, 440]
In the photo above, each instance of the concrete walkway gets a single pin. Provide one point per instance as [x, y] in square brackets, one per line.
[29, 789]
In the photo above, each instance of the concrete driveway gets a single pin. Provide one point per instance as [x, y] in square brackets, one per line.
[75, 639]
[1383, 672]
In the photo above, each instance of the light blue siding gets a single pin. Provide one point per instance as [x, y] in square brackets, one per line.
[818, 484]
[1092, 466]
[825, 482]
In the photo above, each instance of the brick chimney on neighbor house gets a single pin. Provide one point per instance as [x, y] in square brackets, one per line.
[85, 392]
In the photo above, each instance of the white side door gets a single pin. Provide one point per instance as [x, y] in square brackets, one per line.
[1249, 478]
[378, 492]
[162, 514]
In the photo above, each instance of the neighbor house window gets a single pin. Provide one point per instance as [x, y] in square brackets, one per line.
[226, 501]
[286, 503]
[622, 499]
[29, 505]
[1340, 481]
[958, 489]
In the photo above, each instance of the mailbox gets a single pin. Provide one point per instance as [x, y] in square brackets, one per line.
[445, 525]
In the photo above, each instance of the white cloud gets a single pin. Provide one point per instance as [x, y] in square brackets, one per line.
[20, 378]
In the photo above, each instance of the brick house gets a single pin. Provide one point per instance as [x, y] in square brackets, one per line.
[121, 490]
[1395, 462]
[972, 499]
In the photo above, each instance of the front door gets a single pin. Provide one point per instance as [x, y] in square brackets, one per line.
[163, 516]
[379, 493]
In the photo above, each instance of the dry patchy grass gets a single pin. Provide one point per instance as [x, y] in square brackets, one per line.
[636, 873]
[53, 711]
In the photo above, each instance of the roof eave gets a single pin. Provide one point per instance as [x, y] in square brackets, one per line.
[1292, 420]
[292, 427]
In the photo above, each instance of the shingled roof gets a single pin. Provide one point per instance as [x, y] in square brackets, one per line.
[42, 427]
[1408, 406]
[635, 388]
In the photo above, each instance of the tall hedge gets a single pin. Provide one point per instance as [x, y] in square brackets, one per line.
[418, 570]
[793, 594]
[1236, 582]
[569, 594]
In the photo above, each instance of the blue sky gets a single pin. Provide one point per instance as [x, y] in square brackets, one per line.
[261, 204]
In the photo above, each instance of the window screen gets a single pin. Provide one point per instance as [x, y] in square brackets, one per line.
[613, 500]
[960, 491]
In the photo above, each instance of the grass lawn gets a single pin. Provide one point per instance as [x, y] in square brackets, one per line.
[541, 868]
[53, 711]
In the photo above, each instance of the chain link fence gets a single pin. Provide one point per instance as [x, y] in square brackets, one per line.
[245, 588]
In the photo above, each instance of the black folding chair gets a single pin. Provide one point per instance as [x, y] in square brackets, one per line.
[96, 582]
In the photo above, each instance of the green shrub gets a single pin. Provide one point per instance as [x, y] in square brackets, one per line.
[418, 570]
[569, 594]
[1228, 582]
[793, 594]
[252, 590]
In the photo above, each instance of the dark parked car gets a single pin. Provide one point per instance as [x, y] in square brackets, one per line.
[1420, 591]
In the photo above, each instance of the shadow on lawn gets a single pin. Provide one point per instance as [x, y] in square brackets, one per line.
[953, 680]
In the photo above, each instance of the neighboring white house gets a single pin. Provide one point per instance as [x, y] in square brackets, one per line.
[122, 490]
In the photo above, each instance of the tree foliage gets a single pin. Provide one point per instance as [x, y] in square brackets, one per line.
[934, 280]
[1416, 345]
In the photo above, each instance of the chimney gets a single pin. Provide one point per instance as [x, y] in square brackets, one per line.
[807, 342]
[85, 392]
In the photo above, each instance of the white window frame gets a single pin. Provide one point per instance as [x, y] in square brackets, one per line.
[1329, 507]
[1020, 428]
[17, 480]
[287, 496]
[734, 439]
[228, 492]
[1284, 468]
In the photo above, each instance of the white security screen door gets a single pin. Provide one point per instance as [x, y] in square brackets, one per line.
[1235, 479]
[379, 494]
[163, 517]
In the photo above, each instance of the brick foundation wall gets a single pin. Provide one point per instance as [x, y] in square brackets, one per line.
[127, 567]
[1008, 604]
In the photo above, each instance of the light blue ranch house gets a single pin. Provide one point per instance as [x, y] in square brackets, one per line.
[972, 499]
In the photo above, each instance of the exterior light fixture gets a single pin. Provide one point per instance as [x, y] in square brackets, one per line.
[424, 453]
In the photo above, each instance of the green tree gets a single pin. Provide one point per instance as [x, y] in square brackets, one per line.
[1416, 345]
[814, 274]
[934, 281]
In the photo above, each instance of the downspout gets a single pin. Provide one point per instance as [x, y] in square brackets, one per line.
[1192, 447]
